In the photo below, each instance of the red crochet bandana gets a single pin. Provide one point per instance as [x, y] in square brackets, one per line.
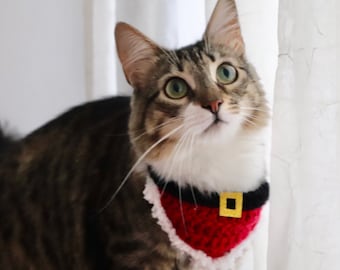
[197, 220]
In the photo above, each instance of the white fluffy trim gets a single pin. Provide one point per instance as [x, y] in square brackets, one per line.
[200, 261]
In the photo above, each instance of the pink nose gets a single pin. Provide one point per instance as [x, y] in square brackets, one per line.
[214, 106]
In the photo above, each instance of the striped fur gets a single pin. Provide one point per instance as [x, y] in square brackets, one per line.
[54, 184]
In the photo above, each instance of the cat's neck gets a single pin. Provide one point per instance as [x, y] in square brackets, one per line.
[236, 165]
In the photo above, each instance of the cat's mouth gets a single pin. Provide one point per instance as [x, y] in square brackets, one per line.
[215, 125]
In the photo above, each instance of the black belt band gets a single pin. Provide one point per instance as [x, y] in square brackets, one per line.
[251, 200]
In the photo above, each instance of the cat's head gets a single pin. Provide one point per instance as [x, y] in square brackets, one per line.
[205, 92]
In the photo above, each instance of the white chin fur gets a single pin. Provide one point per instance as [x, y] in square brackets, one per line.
[224, 158]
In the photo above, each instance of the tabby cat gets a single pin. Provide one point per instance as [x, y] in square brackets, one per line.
[140, 182]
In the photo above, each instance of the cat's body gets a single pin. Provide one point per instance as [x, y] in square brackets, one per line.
[52, 220]
[78, 192]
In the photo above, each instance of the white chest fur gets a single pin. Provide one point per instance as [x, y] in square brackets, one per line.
[238, 165]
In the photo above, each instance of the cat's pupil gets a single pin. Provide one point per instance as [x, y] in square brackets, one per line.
[176, 87]
[226, 72]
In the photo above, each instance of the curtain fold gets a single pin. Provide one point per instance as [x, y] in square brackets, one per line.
[305, 200]
[100, 56]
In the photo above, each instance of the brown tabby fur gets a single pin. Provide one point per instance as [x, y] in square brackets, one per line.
[55, 182]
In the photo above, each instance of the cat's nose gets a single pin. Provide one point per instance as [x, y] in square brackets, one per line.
[213, 106]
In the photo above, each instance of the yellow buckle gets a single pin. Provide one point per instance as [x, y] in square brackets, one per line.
[236, 212]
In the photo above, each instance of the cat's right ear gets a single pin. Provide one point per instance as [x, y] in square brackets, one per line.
[136, 52]
[224, 27]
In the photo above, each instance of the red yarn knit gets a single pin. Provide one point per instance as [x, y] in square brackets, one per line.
[204, 229]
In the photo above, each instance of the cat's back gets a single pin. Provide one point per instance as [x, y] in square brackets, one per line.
[55, 187]
[72, 136]
[89, 116]
[54, 183]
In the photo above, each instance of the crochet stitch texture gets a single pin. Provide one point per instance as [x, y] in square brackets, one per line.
[203, 229]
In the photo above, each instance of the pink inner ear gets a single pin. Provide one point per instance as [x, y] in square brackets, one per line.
[224, 28]
[136, 52]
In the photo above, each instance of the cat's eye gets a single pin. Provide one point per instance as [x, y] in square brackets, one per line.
[226, 74]
[176, 88]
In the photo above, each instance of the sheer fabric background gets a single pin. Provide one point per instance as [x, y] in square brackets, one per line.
[305, 201]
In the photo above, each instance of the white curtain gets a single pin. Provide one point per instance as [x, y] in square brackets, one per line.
[305, 198]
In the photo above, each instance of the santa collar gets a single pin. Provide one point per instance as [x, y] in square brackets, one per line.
[212, 223]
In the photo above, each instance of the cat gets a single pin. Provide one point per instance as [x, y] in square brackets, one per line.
[136, 182]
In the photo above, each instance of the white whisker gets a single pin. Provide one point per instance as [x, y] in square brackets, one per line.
[182, 143]
[170, 121]
[249, 121]
[252, 117]
[193, 196]
[181, 209]
[137, 163]
[252, 109]
[249, 117]
[191, 151]
[164, 188]
[175, 152]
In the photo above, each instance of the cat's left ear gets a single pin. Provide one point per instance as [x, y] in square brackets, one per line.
[136, 52]
[224, 27]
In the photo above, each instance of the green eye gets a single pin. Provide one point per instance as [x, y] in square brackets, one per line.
[176, 88]
[226, 74]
